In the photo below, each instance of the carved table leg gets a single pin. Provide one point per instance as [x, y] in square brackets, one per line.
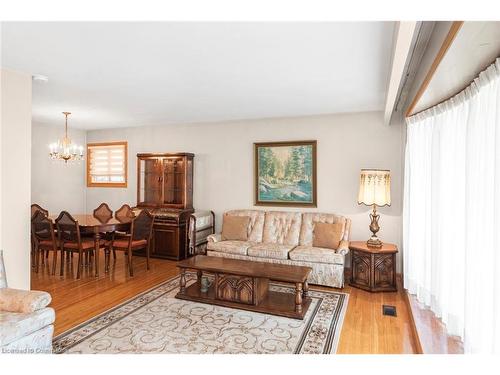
[298, 297]
[182, 281]
[199, 274]
[305, 289]
[106, 259]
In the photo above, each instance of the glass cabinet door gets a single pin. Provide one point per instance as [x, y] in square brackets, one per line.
[173, 181]
[150, 181]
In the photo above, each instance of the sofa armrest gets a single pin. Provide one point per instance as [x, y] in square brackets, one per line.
[343, 247]
[23, 301]
[214, 237]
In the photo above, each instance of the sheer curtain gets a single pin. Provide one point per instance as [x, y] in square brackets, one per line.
[451, 213]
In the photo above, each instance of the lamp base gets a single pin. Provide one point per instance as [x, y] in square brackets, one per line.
[374, 228]
[374, 241]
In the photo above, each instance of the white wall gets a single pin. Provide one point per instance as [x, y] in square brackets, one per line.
[224, 175]
[56, 186]
[15, 176]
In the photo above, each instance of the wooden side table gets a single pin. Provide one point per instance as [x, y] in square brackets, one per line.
[373, 269]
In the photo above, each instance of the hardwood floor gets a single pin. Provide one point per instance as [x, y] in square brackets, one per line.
[365, 329]
[76, 301]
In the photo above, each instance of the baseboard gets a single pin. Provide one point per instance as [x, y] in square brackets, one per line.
[416, 337]
[428, 330]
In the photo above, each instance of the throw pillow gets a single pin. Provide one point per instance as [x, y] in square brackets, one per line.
[327, 235]
[235, 228]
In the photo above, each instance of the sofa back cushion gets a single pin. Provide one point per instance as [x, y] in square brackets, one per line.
[255, 224]
[309, 219]
[282, 227]
[235, 228]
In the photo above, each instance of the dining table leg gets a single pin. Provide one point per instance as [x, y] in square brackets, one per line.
[106, 259]
[97, 239]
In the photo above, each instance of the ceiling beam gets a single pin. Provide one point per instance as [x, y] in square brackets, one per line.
[403, 41]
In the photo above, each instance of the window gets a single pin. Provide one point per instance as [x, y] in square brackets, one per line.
[451, 214]
[107, 164]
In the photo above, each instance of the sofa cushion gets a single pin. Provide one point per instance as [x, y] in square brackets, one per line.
[17, 325]
[235, 228]
[327, 235]
[230, 247]
[282, 228]
[255, 225]
[270, 250]
[308, 221]
[316, 255]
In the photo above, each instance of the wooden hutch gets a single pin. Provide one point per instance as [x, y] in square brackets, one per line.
[165, 188]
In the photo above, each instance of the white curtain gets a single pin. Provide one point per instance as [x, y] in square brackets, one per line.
[451, 213]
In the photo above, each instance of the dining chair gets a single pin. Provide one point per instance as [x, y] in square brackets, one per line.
[141, 230]
[103, 211]
[71, 241]
[44, 238]
[124, 212]
[34, 209]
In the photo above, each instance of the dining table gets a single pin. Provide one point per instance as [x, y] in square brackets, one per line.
[97, 225]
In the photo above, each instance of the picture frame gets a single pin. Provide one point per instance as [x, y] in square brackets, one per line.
[285, 173]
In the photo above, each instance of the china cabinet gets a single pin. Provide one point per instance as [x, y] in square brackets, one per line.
[165, 188]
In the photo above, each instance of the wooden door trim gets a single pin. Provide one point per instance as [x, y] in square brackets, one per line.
[448, 41]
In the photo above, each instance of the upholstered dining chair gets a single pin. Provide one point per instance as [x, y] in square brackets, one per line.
[139, 238]
[34, 209]
[71, 241]
[103, 211]
[44, 238]
[124, 212]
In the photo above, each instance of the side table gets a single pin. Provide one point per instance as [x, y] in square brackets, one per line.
[373, 269]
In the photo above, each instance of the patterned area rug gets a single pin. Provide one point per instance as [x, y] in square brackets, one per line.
[156, 322]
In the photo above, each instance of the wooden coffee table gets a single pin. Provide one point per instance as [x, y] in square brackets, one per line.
[244, 285]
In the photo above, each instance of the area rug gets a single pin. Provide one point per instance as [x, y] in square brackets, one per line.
[156, 322]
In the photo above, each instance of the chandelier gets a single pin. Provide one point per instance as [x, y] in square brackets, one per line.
[64, 149]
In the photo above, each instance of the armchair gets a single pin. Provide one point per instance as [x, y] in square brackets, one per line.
[26, 323]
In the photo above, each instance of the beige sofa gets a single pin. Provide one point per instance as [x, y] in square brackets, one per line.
[287, 238]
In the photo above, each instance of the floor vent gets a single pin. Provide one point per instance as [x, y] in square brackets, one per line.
[389, 310]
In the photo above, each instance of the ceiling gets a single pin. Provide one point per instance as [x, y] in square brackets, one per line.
[118, 74]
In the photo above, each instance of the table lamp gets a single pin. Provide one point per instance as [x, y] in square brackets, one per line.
[374, 190]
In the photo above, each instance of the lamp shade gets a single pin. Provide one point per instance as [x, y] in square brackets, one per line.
[375, 187]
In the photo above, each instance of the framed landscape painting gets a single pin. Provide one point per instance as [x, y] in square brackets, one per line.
[285, 174]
